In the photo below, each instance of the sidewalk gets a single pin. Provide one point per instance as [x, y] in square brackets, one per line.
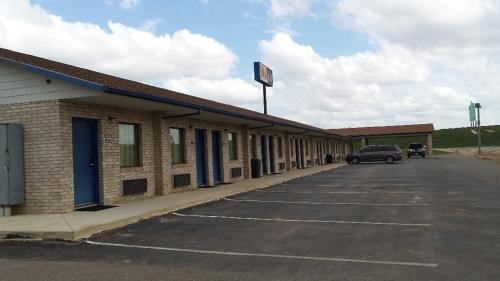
[80, 225]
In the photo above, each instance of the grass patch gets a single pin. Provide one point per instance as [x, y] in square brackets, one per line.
[445, 138]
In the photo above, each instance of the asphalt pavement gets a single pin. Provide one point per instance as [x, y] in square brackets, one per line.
[420, 219]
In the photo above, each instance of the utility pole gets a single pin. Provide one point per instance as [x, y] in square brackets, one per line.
[478, 106]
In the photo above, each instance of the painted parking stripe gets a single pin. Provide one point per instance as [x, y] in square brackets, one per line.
[326, 259]
[365, 185]
[326, 203]
[304, 221]
[312, 192]
[336, 192]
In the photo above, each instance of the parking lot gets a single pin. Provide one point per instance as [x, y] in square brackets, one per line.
[420, 219]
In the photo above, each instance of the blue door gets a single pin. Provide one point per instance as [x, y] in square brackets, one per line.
[216, 156]
[201, 166]
[263, 152]
[271, 154]
[85, 162]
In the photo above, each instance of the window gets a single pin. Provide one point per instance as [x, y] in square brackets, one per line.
[129, 145]
[233, 146]
[280, 147]
[177, 145]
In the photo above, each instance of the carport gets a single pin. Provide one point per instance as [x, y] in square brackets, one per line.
[363, 134]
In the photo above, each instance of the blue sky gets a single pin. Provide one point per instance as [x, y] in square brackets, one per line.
[337, 63]
[239, 24]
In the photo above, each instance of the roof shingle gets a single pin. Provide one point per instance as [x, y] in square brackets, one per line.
[133, 86]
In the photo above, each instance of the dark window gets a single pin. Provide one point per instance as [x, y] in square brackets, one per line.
[367, 149]
[129, 145]
[416, 146]
[280, 147]
[177, 145]
[232, 141]
[388, 148]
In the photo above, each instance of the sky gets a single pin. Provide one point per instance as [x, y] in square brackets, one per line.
[336, 63]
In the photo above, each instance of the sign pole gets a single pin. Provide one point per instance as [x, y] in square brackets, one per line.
[263, 75]
[478, 106]
[265, 98]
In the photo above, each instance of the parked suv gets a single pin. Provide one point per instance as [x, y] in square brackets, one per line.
[416, 149]
[370, 153]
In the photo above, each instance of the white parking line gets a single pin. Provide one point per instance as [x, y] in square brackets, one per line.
[394, 179]
[364, 185]
[336, 192]
[419, 264]
[326, 203]
[311, 192]
[305, 221]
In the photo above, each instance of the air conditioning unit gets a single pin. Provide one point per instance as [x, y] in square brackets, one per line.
[11, 167]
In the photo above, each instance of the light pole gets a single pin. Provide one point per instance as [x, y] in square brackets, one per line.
[478, 106]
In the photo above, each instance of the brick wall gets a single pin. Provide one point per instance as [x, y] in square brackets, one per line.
[45, 173]
[49, 152]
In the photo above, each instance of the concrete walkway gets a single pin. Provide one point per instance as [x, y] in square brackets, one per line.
[79, 225]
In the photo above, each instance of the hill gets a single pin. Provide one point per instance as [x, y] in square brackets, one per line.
[445, 138]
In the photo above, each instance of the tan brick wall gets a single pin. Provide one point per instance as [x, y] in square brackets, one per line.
[111, 174]
[49, 152]
[275, 135]
[45, 173]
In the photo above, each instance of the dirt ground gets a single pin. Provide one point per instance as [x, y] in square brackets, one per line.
[489, 153]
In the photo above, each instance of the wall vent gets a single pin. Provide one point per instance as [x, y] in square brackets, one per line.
[182, 180]
[135, 187]
[236, 172]
[282, 165]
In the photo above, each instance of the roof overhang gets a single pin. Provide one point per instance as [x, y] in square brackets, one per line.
[141, 102]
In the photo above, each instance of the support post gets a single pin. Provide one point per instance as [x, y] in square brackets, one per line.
[265, 98]
[429, 145]
[478, 106]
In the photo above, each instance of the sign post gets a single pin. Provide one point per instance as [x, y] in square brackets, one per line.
[475, 123]
[478, 106]
[263, 75]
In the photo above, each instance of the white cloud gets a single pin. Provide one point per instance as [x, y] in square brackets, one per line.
[456, 41]
[425, 23]
[391, 86]
[290, 8]
[189, 62]
[230, 90]
[428, 61]
[129, 4]
[119, 49]
[150, 25]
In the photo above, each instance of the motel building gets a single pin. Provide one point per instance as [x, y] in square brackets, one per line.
[72, 138]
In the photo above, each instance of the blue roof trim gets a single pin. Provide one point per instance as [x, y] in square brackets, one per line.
[63, 77]
[56, 75]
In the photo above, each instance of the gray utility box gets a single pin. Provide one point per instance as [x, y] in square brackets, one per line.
[11, 165]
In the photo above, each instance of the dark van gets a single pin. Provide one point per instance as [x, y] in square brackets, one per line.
[371, 153]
